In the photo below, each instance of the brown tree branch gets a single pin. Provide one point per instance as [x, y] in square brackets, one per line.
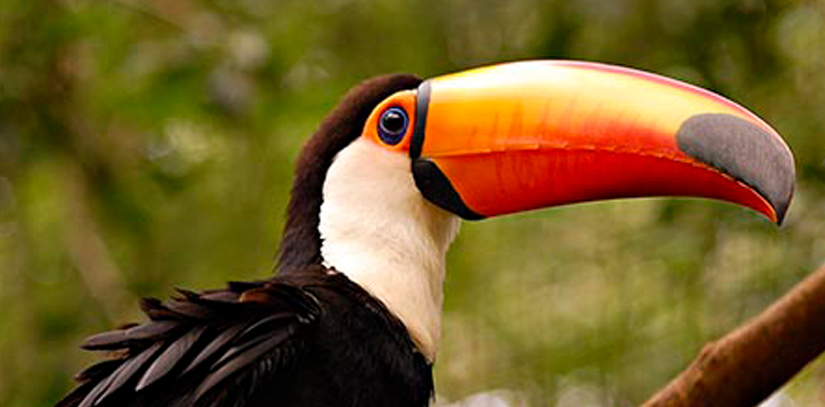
[747, 365]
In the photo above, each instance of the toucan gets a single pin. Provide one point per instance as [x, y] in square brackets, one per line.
[352, 316]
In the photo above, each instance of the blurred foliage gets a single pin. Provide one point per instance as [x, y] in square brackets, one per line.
[147, 144]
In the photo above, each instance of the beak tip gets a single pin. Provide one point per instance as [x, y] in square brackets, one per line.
[781, 209]
[744, 151]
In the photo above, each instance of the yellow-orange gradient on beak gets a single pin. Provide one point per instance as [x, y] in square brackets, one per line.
[527, 135]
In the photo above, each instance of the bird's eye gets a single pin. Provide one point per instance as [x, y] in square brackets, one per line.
[393, 125]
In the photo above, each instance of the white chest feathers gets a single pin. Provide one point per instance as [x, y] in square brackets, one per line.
[382, 234]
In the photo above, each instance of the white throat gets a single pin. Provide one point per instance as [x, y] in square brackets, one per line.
[380, 232]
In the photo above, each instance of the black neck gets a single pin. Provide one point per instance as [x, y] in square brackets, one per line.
[301, 240]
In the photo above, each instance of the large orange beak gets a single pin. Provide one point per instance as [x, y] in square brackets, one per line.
[521, 136]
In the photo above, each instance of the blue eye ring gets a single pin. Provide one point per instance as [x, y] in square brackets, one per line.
[392, 125]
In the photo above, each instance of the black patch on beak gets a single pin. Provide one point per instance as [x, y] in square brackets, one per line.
[437, 189]
[744, 151]
[422, 105]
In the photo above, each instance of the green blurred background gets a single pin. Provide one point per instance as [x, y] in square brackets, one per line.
[148, 144]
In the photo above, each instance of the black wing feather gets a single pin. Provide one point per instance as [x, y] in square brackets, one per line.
[95, 392]
[219, 343]
[128, 370]
[241, 360]
[170, 358]
[98, 371]
[193, 344]
[123, 338]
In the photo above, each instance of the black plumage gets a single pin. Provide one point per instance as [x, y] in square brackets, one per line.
[307, 337]
[310, 339]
